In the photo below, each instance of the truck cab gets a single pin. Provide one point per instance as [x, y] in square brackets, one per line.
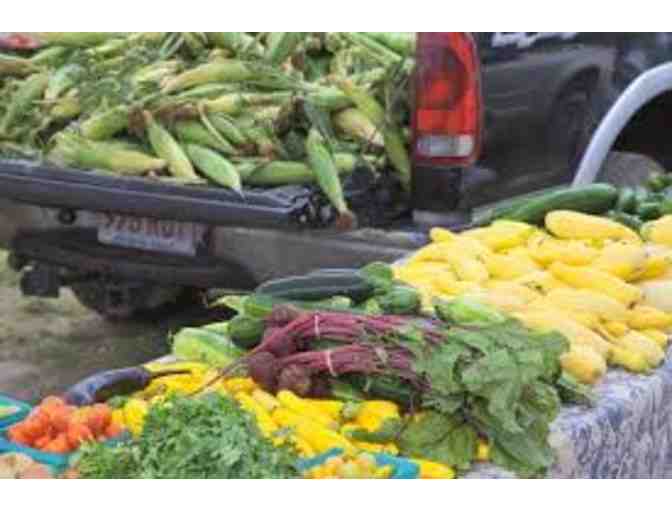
[494, 115]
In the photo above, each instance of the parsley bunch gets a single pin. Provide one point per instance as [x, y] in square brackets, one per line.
[205, 437]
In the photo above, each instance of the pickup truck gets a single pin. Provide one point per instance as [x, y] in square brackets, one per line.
[495, 115]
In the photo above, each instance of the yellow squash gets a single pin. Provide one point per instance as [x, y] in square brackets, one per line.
[584, 364]
[659, 231]
[576, 225]
[598, 281]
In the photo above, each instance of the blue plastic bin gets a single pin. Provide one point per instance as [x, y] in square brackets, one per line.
[23, 410]
[402, 469]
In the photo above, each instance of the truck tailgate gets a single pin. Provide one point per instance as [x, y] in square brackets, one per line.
[49, 186]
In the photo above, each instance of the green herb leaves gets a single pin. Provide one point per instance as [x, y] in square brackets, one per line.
[206, 437]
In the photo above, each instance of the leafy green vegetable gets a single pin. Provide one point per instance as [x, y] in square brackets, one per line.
[205, 437]
[440, 438]
[492, 376]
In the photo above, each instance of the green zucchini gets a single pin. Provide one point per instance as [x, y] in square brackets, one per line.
[658, 182]
[318, 287]
[648, 211]
[260, 306]
[485, 216]
[626, 201]
[592, 199]
[626, 219]
[384, 387]
[246, 332]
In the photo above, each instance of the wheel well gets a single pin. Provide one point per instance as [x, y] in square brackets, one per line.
[586, 79]
[648, 131]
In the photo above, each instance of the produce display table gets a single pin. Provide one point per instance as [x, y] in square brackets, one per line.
[628, 434]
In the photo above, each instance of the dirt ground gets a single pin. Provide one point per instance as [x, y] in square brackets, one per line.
[47, 345]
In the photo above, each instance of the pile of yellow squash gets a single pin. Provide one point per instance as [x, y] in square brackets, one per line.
[607, 288]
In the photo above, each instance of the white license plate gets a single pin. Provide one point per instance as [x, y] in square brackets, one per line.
[150, 234]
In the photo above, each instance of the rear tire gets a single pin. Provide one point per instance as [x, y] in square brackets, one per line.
[628, 169]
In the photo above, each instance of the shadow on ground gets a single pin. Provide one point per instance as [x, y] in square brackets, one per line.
[47, 345]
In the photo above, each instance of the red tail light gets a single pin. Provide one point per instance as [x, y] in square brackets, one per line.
[448, 107]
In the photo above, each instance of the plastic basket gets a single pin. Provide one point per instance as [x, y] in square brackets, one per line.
[402, 469]
[22, 412]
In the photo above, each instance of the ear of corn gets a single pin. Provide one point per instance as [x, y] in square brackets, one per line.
[214, 72]
[16, 66]
[236, 42]
[76, 39]
[65, 108]
[106, 124]
[83, 153]
[194, 132]
[216, 167]
[29, 91]
[235, 103]
[392, 136]
[228, 129]
[323, 165]
[355, 124]
[168, 149]
[282, 45]
[293, 172]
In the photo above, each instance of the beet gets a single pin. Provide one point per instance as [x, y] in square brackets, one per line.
[263, 369]
[295, 379]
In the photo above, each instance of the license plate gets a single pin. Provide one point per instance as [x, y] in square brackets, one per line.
[150, 234]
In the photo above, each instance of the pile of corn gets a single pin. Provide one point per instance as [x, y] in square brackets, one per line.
[607, 288]
[219, 108]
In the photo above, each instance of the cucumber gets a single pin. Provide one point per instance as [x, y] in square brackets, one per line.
[483, 217]
[591, 199]
[197, 344]
[384, 387]
[260, 306]
[246, 332]
[318, 287]
[626, 201]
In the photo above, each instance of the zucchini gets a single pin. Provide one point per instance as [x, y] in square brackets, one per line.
[658, 182]
[626, 201]
[260, 306]
[629, 220]
[641, 196]
[246, 332]
[648, 210]
[591, 199]
[384, 387]
[318, 287]
[485, 216]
